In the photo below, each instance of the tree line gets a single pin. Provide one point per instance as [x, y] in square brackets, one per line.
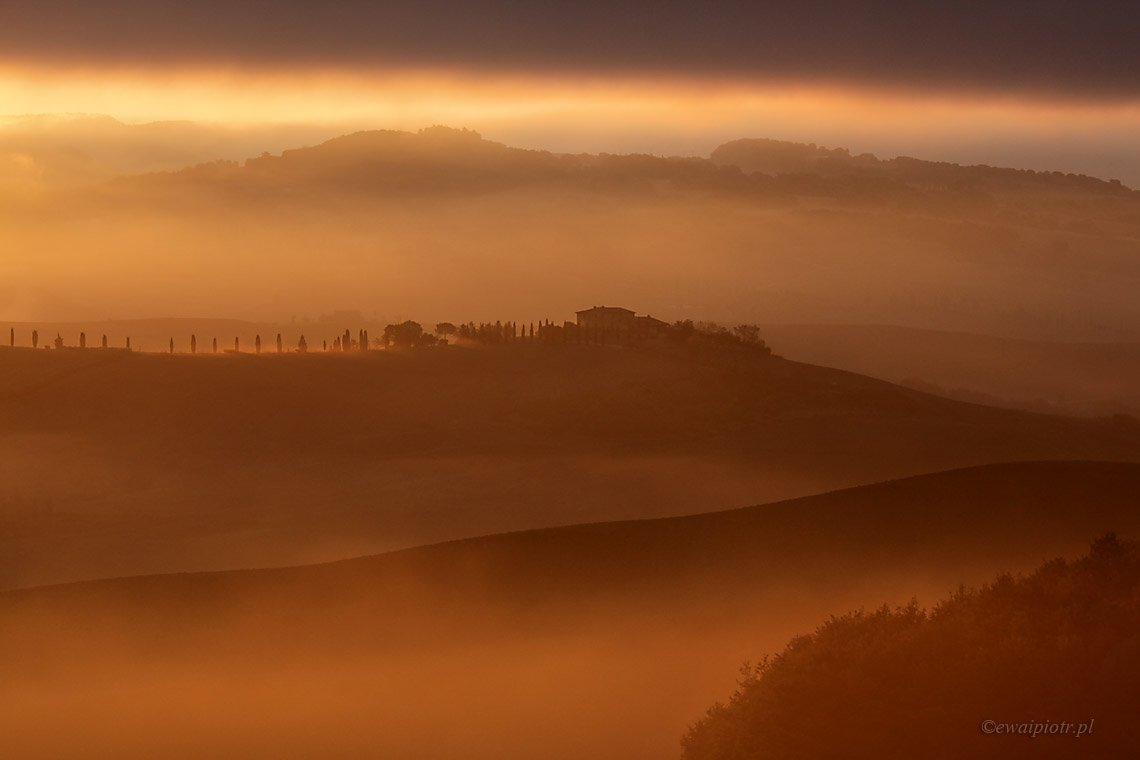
[412, 335]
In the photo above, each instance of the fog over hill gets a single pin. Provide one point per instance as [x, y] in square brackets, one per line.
[600, 640]
[402, 223]
[117, 463]
[441, 159]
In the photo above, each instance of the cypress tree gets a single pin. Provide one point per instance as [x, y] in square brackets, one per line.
[215, 345]
[35, 339]
[172, 345]
[12, 337]
[83, 340]
[257, 344]
[104, 341]
[128, 343]
[302, 345]
[236, 345]
[346, 342]
[278, 342]
[324, 345]
[193, 344]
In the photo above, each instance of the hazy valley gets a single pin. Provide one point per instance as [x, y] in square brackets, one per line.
[534, 546]
[422, 224]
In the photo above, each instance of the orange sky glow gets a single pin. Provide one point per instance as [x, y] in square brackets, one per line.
[558, 113]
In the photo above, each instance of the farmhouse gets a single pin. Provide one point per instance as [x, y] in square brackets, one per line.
[619, 321]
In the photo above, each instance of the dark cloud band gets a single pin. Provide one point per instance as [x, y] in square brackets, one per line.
[1069, 48]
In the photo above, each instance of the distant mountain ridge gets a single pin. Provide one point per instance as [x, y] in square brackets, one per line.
[777, 157]
[442, 158]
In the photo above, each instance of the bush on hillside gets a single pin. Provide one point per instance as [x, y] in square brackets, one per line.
[711, 332]
[1059, 646]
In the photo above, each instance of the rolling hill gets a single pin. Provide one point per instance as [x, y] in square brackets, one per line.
[115, 463]
[597, 640]
[1051, 376]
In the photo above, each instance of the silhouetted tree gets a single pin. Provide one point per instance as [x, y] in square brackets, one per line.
[280, 347]
[83, 340]
[346, 341]
[12, 337]
[257, 344]
[683, 329]
[58, 340]
[215, 345]
[193, 343]
[363, 340]
[104, 341]
[324, 345]
[237, 344]
[35, 339]
[747, 333]
[302, 346]
[445, 329]
[128, 343]
[407, 334]
[172, 345]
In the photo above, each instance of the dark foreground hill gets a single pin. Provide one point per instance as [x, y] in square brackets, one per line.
[598, 640]
[1043, 666]
[121, 464]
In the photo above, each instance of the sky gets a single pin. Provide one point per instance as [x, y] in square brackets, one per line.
[1044, 84]
[1081, 49]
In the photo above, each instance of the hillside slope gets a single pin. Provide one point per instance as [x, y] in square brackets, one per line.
[1065, 378]
[118, 464]
[594, 640]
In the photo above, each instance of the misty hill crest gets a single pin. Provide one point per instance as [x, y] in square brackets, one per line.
[442, 159]
[451, 161]
[777, 157]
